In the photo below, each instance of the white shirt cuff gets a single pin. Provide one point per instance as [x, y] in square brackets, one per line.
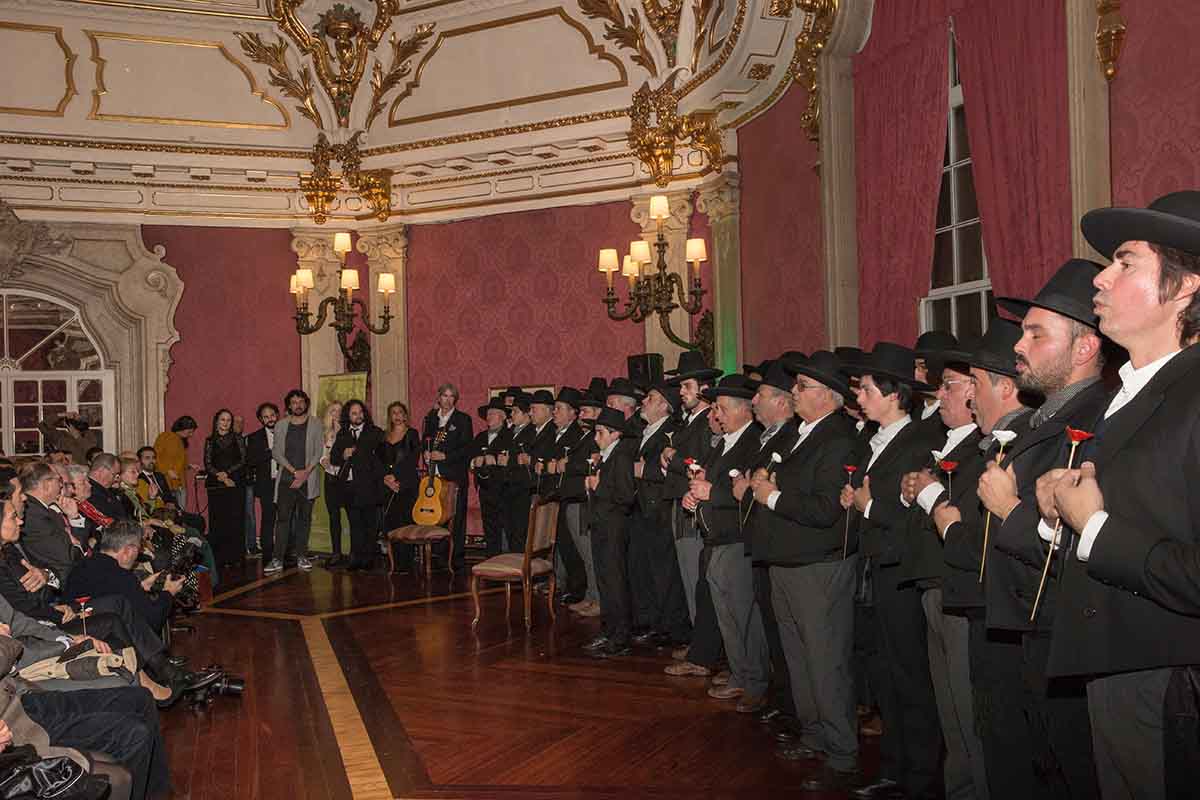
[927, 495]
[1046, 531]
[773, 498]
[1088, 537]
[867, 510]
[79, 522]
[904, 502]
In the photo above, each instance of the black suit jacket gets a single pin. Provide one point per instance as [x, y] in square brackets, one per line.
[1135, 604]
[609, 505]
[693, 440]
[1018, 552]
[490, 478]
[455, 443]
[258, 464]
[360, 476]
[883, 535]
[519, 478]
[650, 487]
[47, 541]
[39, 604]
[780, 442]
[108, 502]
[542, 447]
[807, 525]
[577, 444]
[719, 517]
[923, 560]
[99, 575]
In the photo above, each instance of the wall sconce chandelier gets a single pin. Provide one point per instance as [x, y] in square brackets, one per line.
[658, 292]
[320, 187]
[344, 304]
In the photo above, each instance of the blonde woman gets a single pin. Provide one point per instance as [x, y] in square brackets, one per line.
[331, 424]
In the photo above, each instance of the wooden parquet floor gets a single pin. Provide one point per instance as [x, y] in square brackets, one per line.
[370, 686]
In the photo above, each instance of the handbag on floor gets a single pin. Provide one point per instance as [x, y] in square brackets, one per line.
[60, 778]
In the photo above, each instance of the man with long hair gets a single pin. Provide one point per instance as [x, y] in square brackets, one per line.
[360, 471]
[299, 444]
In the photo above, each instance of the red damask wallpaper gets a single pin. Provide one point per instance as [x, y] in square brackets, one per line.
[1155, 119]
[783, 282]
[514, 298]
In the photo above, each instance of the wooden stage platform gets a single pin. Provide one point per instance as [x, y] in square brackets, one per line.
[368, 686]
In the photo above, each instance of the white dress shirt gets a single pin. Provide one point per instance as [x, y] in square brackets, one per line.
[879, 442]
[931, 492]
[802, 433]
[649, 431]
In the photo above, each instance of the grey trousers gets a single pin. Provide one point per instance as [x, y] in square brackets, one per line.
[584, 545]
[950, 669]
[1127, 734]
[732, 582]
[814, 608]
[687, 552]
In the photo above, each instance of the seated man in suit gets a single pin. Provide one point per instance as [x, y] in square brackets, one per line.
[48, 537]
[103, 473]
[108, 571]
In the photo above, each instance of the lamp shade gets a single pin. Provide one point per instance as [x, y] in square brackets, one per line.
[659, 207]
[304, 278]
[294, 284]
[608, 260]
[350, 279]
[341, 243]
[640, 251]
[696, 251]
[631, 267]
[387, 282]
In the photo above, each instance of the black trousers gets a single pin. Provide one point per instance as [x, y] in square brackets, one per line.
[364, 524]
[577, 583]
[516, 518]
[609, 546]
[643, 603]
[458, 531]
[122, 723]
[334, 505]
[1059, 726]
[779, 692]
[707, 648]
[491, 507]
[658, 574]
[999, 690]
[866, 655]
[266, 528]
[911, 745]
[115, 624]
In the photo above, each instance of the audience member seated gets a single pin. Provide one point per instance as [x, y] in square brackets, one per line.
[47, 528]
[103, 475]
[109, 571]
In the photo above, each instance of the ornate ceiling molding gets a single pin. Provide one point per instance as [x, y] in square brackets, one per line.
[69, 57]
[628, 35]
[22, 240]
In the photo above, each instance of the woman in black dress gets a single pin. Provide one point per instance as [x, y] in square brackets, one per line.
[224, 460]
[399, 451]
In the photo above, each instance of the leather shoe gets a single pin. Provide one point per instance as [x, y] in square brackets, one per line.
[724, 692]
[768, 714]
[644, 638]
[612, 650]
[680, 653]
[799, 752]
[721, 678]
[830, 780]
[570, 598]
[786, 737]
[177, 661]
[598, 643]
[751, 703]
[682, 669]
[882, 788]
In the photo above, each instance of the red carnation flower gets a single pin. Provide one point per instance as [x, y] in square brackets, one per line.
[948, 466]
[851, 468]
[1077, 436]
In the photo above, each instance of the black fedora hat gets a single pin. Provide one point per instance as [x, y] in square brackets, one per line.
[756, 369]
[613, 420]
[511, 392]
[993, 351]
[523, 401]
[890, 360]
[1068, 292]
[496, 403]
[821, 366]
[590, 400]
[848, 356]
[569, 395]
[691, 365]
[777, 377]
[542, 396]
[1172, 220]
[933, 343]
[669, 392]
[597, 387]
[622, 387]
[731, 386]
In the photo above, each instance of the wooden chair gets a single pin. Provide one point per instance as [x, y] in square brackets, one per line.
[537, 561]
[424, 536]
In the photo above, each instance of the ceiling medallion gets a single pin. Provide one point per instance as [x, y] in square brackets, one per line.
[339, 45]
[19, 240]
[657, 128]
[630, 36]
[321, 186]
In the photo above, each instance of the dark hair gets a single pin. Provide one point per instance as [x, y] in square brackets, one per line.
[903, 392]
[6, 487]
[217, 416]
[345, 418]
[1176, 264]
[262, 407]
[184, 423]
[145, 449]
[104, 460]
[395, 404]
[287, 399]
[33, 473]
[121, 534]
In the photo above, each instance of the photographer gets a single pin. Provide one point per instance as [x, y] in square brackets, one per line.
[69, 433]
[108, 571]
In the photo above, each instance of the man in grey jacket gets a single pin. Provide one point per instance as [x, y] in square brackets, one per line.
[299, 445]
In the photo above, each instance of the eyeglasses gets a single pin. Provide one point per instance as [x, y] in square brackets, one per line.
[807, 386]
[947, 385]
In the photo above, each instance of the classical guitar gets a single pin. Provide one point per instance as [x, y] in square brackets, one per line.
[432, 506]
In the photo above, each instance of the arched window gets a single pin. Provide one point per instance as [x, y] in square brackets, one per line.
[49, 365]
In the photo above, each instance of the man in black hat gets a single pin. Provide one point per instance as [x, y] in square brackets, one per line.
[923, 564]
[729, 571]
[1129, 613]
[576, 569]
[611, 494]
[911, 743]
[541, 449]
[623, 396]
[446, 435]
[1059, 356]
[489, 478]
[798, 529]
[691, 443]
[656, 587]
[929, 361]
[572, 492]
[518, 473]
[994, 659]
